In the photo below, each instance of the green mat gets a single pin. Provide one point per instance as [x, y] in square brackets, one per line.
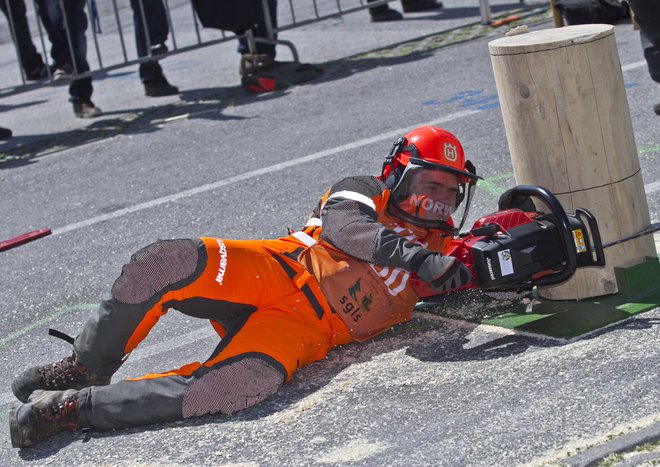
[639, 291]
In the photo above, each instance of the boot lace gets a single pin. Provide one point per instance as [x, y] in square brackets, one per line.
[58, 416]
[67, 370]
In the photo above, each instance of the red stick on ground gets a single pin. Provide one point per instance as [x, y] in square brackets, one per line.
[24, 238]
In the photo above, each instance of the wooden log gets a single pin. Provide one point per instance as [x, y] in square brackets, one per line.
[568, 127]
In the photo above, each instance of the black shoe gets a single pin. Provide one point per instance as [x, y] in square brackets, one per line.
[413, 6]
[379, 15]
[159, 87]
[656, 109]
[36, 73]
[48, 414]
[158, 50]
[68, 373]
[5, 133]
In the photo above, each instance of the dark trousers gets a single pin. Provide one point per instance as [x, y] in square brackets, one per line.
[68, 47]
[158, 30]
[647, 14]
[28, 56]
[260, 31]
[652, 55]
[380, 8]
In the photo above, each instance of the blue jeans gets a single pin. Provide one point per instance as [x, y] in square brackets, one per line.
[260, 31]
[158, 28]
[53, 19]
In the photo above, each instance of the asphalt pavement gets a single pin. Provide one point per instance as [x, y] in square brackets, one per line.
[215, 161]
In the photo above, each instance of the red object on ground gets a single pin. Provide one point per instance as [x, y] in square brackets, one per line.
[24, 238]
[507, 20]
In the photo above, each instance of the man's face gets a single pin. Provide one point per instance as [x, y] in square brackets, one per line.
[438, 186]
[428, 195]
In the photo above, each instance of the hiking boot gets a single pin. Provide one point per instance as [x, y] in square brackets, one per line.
[159, 87]
[5, 133]
[413, 6]
[68, 373]
[656, 109]
[384, 13]
[49, 413]
[86, 110]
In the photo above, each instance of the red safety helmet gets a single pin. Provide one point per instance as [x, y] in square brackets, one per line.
[416, 171]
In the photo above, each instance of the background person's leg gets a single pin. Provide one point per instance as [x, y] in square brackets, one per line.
[53, 20]
[652, 56]
[383, 13]
[265, 52]
[151, 73]
[647, 15]
[80, 89]
[31, 61]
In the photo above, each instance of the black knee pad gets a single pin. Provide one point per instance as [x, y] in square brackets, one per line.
[230, 387]
[157, 268]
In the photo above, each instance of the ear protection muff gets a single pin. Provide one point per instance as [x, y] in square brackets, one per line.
[394, 173]
[469, 167]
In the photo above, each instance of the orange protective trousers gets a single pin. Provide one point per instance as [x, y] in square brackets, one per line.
[284, 325]
[269, 312]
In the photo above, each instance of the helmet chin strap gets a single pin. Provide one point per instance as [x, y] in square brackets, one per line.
[393, 177]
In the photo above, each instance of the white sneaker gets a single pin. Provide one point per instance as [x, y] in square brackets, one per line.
[63, 72]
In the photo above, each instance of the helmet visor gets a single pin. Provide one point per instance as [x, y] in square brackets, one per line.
[427, 197]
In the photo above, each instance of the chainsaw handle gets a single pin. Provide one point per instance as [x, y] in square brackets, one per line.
[564, 229]
[596, 242]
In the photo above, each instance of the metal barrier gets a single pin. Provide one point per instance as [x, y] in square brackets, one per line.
[119, 16]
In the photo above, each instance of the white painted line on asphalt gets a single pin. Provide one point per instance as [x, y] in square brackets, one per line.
[556, 456]
[256, 173]
[652, 187]
[649, 188]
[632, 66]
[178, 117]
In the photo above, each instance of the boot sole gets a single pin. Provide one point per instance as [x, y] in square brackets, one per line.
[170, 92]
[17, 438]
